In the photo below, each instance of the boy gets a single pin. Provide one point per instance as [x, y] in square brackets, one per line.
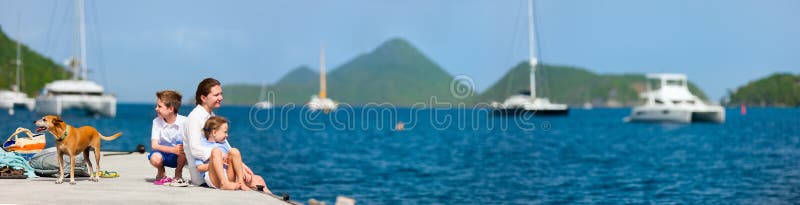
[167, 139]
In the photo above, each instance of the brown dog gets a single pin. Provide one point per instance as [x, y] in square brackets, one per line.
[71, 140]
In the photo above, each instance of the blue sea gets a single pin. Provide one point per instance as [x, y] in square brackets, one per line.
[468, 156]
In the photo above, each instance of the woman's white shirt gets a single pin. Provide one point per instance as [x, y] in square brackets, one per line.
[192, 142]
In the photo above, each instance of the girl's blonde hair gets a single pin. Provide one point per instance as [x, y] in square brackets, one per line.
[212, 124]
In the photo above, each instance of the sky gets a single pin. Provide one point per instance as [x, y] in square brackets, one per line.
[136, 48]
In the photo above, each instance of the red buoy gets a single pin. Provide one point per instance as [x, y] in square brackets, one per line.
[743, 109]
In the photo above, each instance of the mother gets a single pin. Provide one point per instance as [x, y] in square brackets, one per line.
[208, 97]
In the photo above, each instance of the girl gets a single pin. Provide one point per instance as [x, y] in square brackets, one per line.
[225, 169]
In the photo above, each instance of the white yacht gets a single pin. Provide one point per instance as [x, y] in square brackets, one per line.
[77, 93]
[528, 102]
[321, 101]
[14, 98]
[668, 99]
[9, 99]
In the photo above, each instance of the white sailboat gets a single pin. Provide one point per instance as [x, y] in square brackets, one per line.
[321, 101]
[263, 102]
[672, 101]
[14, 98]
[77, 93]
[529, 102]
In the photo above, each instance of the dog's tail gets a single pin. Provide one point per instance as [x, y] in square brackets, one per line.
[112, 137]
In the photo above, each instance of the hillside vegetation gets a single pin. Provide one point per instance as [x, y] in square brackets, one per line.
[36, 70]
[780, 89]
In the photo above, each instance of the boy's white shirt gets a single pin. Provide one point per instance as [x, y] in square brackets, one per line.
[168, 134]
[192, 146]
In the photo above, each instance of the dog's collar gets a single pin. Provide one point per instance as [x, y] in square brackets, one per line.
[66, 132]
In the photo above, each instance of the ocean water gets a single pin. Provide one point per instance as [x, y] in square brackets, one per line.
[467, 156]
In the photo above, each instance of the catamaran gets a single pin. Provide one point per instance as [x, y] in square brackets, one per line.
[77, 93]
[671, 101]
[321, 101]
[529, 102]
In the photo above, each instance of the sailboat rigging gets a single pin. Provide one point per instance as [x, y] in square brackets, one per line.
[529, 102]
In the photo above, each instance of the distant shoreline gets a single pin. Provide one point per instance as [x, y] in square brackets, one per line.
[454, 107]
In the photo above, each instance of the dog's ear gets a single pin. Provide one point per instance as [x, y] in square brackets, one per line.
[57, 120]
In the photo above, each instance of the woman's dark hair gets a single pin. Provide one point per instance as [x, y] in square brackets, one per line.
[204, 88]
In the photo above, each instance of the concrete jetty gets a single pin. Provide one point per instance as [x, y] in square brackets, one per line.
[134, 186]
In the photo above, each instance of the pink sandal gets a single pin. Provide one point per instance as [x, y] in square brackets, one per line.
[162, 181]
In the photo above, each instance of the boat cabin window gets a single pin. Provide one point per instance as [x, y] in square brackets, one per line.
[690, 102]
[676, 102]
[659, 101]
[676, 83]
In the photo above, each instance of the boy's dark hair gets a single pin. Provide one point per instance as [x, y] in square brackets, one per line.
[170, 98]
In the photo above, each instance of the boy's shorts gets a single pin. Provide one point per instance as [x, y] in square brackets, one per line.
[170, 160]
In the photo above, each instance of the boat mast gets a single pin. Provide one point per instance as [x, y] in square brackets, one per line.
[531, 49]
[15, 88]
[263, 92]
[82, 24]
[322, 81]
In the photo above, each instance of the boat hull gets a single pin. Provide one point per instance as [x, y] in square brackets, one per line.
[11, 105]
[673, 115]
[537, 112]
[321, 104]
[104, 105]
[10, 100]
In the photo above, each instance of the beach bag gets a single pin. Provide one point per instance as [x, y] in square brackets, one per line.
[45, 164]
[25, 146]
